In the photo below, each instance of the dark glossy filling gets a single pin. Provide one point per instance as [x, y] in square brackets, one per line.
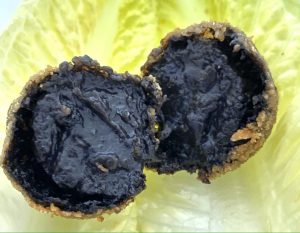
[212, 91]
[79, 141]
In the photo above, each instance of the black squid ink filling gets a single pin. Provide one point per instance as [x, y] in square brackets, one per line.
[213, 88]
[79, 139]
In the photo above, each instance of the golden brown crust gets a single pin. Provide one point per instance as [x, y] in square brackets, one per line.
[257, 131]
[34, 81]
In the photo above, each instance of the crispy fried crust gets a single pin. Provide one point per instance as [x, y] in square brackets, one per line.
[257, 131]
[34, 81]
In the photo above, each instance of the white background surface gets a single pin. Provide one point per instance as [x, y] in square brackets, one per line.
[7, 10]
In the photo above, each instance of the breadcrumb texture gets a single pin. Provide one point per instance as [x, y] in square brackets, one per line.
[221, 101]
[76, 138]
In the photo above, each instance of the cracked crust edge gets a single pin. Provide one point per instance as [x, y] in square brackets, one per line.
[257, 131]
[36, 80]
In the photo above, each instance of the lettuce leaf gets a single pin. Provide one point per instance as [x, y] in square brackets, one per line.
[263, 195]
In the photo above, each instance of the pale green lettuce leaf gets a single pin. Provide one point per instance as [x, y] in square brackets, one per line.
[263, 195]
